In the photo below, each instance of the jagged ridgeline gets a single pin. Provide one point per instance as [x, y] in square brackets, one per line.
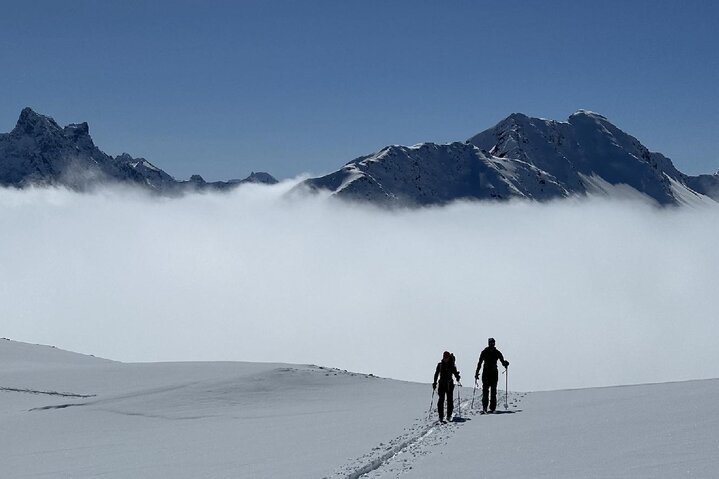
[40, 152]
[520, 157]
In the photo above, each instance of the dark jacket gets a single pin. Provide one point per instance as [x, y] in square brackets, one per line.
[489, 356]
[445, 370]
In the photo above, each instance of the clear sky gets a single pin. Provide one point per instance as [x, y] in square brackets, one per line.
[225, 88]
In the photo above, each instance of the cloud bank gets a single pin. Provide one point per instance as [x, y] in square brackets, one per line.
[577, 293]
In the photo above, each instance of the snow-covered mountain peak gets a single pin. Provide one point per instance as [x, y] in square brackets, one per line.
[514, 122]
[520, 157]
[590, 120]
[39, 151]
[33, 123]
[588, 113]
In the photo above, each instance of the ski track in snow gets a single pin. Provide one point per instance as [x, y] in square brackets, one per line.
[394, 458]
[48, 393]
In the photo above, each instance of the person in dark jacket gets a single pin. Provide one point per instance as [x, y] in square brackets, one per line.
[489, 356]
[444, 372]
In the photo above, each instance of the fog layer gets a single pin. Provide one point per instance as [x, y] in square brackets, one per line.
[577, 293]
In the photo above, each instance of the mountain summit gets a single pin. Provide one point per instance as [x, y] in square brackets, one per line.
[39, 151]
[31, 123]
[520, 157]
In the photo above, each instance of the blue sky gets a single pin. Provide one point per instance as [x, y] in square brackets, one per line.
[225, 88]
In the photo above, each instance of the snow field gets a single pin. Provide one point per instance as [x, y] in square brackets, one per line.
[69, 415]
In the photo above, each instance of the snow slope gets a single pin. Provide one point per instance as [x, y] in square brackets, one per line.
[68, 415]
[648, 431]
[189, 420]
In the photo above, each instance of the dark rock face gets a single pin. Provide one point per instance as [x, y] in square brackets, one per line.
[430, 174]
[40, 152]
[259, 177]
[520, 157]
[153, 176]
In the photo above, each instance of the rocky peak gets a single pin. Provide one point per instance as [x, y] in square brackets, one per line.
[32, 123]
[77, 130]
[517, 118]
[260, 177]
[39, 151]
[514, 123]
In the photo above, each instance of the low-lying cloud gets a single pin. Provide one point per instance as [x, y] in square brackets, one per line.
[577, 293]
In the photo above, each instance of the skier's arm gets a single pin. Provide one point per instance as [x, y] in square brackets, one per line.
[501, 359]
[479, 365]
[436, 375]
[456, 373]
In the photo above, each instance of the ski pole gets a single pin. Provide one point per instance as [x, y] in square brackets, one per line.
[459, 400]
[474, 390]
[431, 401]
[506, 388]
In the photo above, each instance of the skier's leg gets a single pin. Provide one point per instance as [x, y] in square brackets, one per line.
[485, 392]
[493, 401]
[440, 402]
[450, 400]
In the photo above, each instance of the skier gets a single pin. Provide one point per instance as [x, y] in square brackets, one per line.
[490, 355]
[445, 369]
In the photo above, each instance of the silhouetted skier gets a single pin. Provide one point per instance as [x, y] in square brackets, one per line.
[489, 356]
[445, 369]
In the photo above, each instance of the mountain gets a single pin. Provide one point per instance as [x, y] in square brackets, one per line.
[38, 151]
[520, 157]
[199, 182]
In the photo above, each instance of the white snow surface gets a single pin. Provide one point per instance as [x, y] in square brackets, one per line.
[596, 185]
[69, 415]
